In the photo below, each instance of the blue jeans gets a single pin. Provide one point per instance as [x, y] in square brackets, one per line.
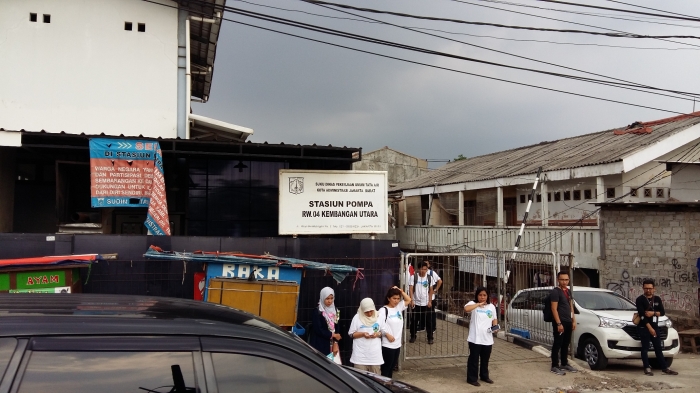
[646, 338]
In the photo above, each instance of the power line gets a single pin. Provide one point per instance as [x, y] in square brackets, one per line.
[470, 35]
[614, 35]
[607, 16]
[653, 9]
[686, 17]
[340, 33]
[499, 51]
[624, 33]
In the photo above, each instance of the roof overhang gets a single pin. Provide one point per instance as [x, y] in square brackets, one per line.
[205, 128]
[205, 25]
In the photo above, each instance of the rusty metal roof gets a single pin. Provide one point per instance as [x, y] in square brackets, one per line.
[585, 150]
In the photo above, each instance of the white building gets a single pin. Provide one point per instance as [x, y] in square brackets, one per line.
[480, 202]
[114, 67]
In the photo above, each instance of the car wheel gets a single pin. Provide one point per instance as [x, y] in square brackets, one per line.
[593, 355]
[654, 363]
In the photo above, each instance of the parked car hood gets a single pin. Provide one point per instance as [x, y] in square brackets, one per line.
[623, 315]
[388, 383]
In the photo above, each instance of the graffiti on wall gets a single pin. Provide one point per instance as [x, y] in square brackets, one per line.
[630, 286]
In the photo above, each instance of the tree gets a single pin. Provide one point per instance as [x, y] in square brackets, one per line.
[460, 158]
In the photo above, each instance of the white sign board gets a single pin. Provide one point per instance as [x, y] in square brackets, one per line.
[332, 202]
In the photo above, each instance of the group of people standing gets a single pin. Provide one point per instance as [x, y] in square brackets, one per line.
[649, 309]
[376, 333]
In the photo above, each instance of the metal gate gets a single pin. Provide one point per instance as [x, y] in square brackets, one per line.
[461, 274]
[527, 278]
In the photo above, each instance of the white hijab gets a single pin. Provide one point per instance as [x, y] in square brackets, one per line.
[367, 304]
[325, 292]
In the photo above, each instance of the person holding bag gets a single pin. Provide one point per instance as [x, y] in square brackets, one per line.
[649, 309]
[323, 336]
[480, 339]
[366, 331]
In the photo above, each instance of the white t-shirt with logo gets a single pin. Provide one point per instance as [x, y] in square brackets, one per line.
[480, 323]
[421, 291]
[366, 351]
[393, 324]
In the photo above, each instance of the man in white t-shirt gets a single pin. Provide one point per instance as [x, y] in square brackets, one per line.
[421, 290]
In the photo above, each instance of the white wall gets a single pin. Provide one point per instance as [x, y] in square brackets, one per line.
[685, 182]
[83, 73]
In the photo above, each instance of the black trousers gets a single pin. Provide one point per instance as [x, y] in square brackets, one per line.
[646, 338]
[391, 359]
[560, 348]
[424, 314]
[478, 352]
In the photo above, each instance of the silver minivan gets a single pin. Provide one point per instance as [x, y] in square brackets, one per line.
[604, 328]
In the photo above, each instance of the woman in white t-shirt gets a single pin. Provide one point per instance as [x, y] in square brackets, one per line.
[395, 303]
[480, 339]
[366, 331]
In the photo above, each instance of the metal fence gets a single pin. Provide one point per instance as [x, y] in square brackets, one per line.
[460, 275]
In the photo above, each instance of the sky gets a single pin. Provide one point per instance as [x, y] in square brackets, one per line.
[298, 91]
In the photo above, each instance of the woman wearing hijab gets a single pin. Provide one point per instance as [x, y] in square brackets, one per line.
[323, 336]
[366, 331]
[395, 303]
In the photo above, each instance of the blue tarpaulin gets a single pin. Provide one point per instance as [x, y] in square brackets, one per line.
[339, 272]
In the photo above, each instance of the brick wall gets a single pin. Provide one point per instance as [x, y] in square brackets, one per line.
[653, 243]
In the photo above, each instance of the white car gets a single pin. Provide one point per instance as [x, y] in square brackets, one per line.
[604, 328]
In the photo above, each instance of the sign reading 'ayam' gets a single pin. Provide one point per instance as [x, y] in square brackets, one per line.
[332, 202]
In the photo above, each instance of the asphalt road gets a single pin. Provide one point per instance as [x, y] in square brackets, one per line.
[517, 369]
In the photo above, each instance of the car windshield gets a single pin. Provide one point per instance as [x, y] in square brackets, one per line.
[603, 301]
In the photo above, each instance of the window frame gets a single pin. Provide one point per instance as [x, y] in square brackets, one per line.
[312, 367]
[107, 343]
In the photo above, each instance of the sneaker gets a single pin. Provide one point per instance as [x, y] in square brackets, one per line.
[412, 340]
[568, 368]
[647, 371]
[557, 371]
[669, 372]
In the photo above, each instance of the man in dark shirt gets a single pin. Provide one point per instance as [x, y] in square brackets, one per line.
[563, 324]
[650, 308]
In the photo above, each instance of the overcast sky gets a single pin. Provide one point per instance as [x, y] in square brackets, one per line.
[296, 91]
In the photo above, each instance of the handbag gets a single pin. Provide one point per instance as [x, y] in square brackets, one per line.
[636, 319]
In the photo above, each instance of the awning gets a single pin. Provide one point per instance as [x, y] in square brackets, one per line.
[205, 128]
[339, 272]
[61, 260]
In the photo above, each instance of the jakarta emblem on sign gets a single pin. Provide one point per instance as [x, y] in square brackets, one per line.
[332, 202]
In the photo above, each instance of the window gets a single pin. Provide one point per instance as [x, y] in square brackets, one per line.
[106, 371]
[567, 195]
[128, 26]
[32, 16]
[539, 197]
[587, 194]
[522, 199]
[577, 195]
[536, 301]
[520, 302]
[47, 18]
[549, 197]
[633, 192]
[610, 192]
[659, 192]
[647, 193]
[557, 196]
[142, 27]
[247, 373]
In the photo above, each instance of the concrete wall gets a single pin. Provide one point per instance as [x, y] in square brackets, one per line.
[7, 187]
[400, 167]
[685, 182]
[83, 72]
[663, 245]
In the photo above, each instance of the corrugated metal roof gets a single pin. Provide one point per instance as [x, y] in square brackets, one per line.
[586, 150]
